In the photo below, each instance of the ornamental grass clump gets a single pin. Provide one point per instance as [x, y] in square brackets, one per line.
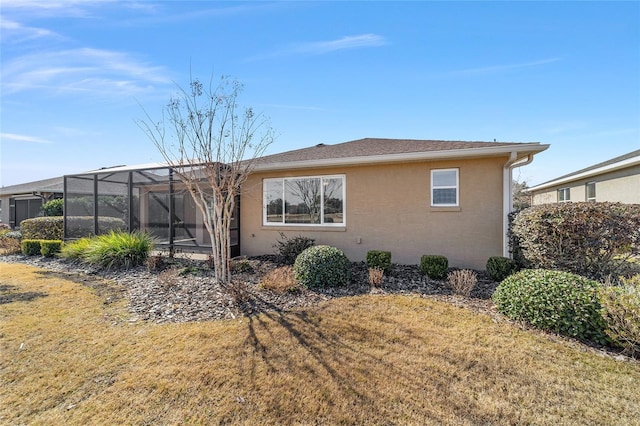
[376, 277]
[75, 250]
[280, 280]
[556, 301]
[112, 250]
[322, 266]
[119, 250]
[462, 281]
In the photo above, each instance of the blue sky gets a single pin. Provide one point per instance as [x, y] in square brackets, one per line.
[74, 74]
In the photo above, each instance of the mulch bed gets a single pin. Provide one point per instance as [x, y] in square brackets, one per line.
[182, 290]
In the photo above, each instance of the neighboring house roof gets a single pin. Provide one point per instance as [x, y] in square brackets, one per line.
[375, 150]
[623, 161]
[46, 185]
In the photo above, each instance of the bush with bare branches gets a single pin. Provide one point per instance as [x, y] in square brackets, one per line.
[462, 281]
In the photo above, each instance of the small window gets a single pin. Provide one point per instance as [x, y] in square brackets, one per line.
[564, 195]
[590, 189]
[444, 187]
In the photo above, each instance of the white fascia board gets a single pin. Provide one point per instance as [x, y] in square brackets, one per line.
[604, 169]
[404, 157]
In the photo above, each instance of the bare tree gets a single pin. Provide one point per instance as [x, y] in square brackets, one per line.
[212, 145]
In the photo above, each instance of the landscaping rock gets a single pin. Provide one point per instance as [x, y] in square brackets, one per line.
[187, 291]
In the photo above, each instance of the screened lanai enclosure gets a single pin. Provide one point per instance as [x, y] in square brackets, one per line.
[149, 199]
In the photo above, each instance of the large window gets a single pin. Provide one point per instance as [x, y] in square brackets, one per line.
[444, 187]
[312, 200]
[590, 189]
[564, 195]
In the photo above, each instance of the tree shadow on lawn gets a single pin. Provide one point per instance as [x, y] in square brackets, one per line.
[10, 294]
[108, 290]
[327, 359]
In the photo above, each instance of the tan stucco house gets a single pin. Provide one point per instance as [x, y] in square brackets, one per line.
[23, 201]
[615, 180]
[410, 197]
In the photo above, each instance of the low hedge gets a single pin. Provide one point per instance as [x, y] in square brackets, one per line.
[49, 248]
[43, 228]
[30, 247]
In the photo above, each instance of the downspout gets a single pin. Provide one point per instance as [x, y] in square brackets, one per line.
[507, 195]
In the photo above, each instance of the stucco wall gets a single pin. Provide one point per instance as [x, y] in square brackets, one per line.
[617, 186]
[388, 208]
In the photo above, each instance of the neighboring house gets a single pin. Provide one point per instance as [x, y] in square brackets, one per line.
[410, 197]
[615, 180]
[23, 201]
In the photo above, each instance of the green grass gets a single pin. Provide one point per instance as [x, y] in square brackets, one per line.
[70, 358]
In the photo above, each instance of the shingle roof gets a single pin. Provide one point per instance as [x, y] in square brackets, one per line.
[613, 161]
[376, 146]
[46, 185]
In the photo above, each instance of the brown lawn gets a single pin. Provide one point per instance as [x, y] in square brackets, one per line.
[67, 357]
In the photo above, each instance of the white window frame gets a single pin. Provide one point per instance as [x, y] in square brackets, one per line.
[586, 192]
[322, 222]
[566, 194]
[456, 187]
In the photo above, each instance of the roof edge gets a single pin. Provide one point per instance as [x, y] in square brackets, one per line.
[526, 148]
[588, 173]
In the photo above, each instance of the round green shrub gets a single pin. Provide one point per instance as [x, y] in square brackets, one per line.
[379, 259]
[53, 207]
[434, 266]
[322, 266]
[556, 301]
[499, 267]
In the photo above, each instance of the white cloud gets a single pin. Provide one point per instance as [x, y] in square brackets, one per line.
[505, 67]
[323, 47]
[86, 70]
[67, 8]
[14, 32]
[22, 138]
[348, 42]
